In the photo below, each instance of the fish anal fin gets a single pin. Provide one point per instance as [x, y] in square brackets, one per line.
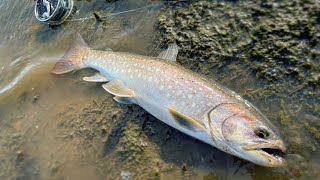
[117, 88]
[170, 53]
[186, 121]
[124, 100]
[96, 78]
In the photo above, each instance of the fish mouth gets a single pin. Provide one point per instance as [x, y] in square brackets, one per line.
[271, 154]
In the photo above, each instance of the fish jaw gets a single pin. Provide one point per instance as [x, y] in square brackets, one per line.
[266, 153]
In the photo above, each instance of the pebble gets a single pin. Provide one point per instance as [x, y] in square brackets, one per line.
[184, 167]
[125, 175]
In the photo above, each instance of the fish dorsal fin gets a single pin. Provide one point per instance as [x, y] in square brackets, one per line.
[96, 78]
[170, 53]
[117, 88]
[186, 121]
[124, 100]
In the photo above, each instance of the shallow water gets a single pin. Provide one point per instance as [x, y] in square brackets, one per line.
[59, 127]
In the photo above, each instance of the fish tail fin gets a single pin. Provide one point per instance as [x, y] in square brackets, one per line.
[72, 60]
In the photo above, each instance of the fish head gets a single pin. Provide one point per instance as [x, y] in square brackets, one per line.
[249, 135]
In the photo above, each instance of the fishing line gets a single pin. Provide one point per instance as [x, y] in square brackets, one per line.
[113, 14]
[55, 12]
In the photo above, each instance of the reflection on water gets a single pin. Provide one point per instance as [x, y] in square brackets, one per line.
[24, 40]
[63, 128]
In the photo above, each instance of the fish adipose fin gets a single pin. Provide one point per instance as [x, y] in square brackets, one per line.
[170, 53]
[124, 100]
[117, 88]
[186, 121]
[72, 60]
[96, 78]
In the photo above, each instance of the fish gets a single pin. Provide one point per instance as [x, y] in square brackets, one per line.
[182, 99]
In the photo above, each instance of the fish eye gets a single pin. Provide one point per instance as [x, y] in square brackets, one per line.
[262, 132]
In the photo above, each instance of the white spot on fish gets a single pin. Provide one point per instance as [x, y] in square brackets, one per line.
[193, 105]
[179, 92]
[237, 96]
[190, 96]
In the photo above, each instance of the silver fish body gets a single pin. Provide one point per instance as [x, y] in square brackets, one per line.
[182, 99]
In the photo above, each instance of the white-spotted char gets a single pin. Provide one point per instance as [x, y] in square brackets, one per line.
[182, 99]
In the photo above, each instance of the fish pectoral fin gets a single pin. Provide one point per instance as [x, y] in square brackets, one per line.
[96, 78]
[117, 88]
[170, 53]
[186, 121]
[124, 100]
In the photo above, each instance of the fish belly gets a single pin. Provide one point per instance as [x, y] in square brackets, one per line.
[157, 86]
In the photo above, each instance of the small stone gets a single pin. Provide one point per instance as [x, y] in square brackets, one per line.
[35, 98]
[125, 175]
[20, 155]
[184, 167]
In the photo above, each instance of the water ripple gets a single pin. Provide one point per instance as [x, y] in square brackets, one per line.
[20, 75]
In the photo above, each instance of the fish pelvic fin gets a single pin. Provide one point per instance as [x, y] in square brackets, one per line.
[96, 78]
[117, 88]
[72, 60]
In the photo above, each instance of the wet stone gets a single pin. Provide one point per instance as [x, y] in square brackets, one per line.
[20, 155]
[35, 98]
[184, 167]
[125, 175]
